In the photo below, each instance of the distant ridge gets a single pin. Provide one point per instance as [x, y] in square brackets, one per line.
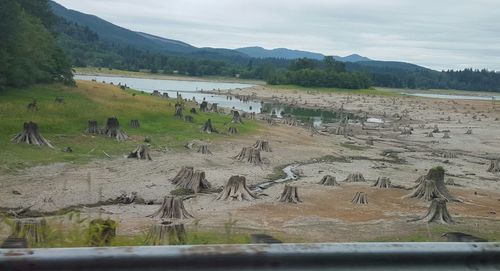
[259, 52]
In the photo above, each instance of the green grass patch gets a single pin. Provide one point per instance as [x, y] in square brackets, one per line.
[64, 124]
[370, 91]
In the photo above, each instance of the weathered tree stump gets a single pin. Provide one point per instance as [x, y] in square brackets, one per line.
[193, 111]
[59, 100]
[166, 233]
[189, 118]
[290, 194]
[178, 111]
[360, 198]
[204, 106]
[250, 155]
[172, 208]
[232, 130]
[262, 145]
[236, 189]
[33, 230]
[141, 152]
[31, 136]
[494, 166]
[432, 186]
[436, 129]
[329, 180]
[33, 106]
[113, 130]
[92, 128]
[196, 183]
[236, 117]
[135, 124]
[469, 131]
[446, 135]
[355, 177]
[203, 149]
[208, 128]
[101, 232]
[165, 95]
[383, 182]
[437, 212]
[214, 108]
[430, 134]
[184, 175]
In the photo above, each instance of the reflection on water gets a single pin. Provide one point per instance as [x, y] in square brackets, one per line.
[188, 90]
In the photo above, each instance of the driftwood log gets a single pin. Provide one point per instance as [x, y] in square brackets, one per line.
[290, 194]
[329, 180]
[166, 233]
[172, 208]
[262, 145]
[92, 128]
[355, 177]
[30, 135]
[360, 198]
[383, 182]
[236, 189]
[431, 186]
[113, 130]
[494, 166]
[249, 155]
[141, 152]
[33, 230]
[135, 124]
[437, 212]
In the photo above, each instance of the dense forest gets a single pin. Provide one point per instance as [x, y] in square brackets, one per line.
[28, 51]
[38, 46]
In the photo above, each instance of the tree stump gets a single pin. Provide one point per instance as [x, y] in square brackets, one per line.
[189, 118]
[355, 177]
[446, 135]
[31, 136]
[436, 129]
[101, 232]
[141, 152]
[360, 198]
[329, 180]
[59, 100]
[249, 155]
[33, 106]
[290, 194]
[262, 145]
[193, 111]
[113, 130]
[178, 111]
[236, 117]
[494, 166]
[172, 208]
[204, 106]
[469, 131]
[383, 182]
[166, 233]
[196, 183]
[236, 189]
[208, 128]
[214, 108]
[165, 95]
[135, 124]
[203, 149]
[92, 128]
[432, 186]
[184, 175]
[437, 212]
[430, 134]
[33, 230]
[232, 130]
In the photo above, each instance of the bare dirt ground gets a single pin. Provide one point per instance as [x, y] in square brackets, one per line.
[326, 213]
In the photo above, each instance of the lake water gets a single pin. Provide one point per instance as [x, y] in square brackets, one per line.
[188, 89]
[453, 97]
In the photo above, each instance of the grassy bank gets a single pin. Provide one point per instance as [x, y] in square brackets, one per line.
[371, 91]
[64, 124]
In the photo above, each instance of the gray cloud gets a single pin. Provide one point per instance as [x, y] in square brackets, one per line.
[440, 34]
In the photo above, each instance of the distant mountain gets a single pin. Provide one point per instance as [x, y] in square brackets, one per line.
[259, 52]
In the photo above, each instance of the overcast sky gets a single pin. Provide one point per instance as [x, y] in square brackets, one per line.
[439, 34]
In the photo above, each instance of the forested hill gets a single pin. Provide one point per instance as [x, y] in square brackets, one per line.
[28, 51]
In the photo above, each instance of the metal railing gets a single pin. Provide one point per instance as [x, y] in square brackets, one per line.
[338, 256]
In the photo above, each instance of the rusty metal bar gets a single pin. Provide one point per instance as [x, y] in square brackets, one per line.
[339, 256]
